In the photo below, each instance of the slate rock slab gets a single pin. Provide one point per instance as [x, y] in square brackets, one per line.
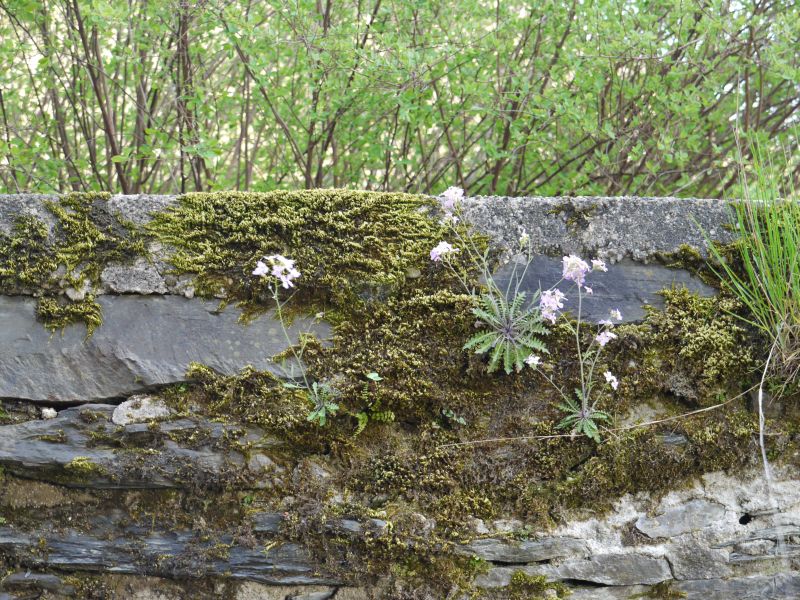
[691, 516]
[162, 553]
[143, 342]
[527, 551]
[82, 447]
[616, 569]
[781, 586]
[627, 286]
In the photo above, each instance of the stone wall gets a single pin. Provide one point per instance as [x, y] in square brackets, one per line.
[92, 454]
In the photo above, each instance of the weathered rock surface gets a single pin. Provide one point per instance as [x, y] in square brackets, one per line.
[527, 551]
[616, 569]
[82, 447]
[612, 228]
[140, 409]
[781, 586]
[695, 514]
[143, 342]
[627, 286]
[174, 554]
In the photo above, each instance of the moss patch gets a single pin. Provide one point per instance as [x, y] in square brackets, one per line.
[349, 245]
[85, 238]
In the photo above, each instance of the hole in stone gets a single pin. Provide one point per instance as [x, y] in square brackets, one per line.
[745, 519]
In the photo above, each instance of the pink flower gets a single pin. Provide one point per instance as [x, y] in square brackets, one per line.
[574, 268]
[606, 322]
[604, 337]
[588, 290]
[615, 314]
[533, 361]
[611, 379]
[550, 302]
[282, 269]
[442, 249]
[598, 265]
[450, 197]
[261, 269]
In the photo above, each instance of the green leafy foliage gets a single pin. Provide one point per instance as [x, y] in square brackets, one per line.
[549, 97]
[579, 420]
[322, 396]
[509, 330]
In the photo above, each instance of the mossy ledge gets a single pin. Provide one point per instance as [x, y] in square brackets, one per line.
[391, 453]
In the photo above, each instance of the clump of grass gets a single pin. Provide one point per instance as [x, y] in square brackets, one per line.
[765, 275]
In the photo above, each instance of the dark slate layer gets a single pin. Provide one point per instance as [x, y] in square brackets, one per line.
[143, 342]
[45, 450]
[627, 286]
[175, 554]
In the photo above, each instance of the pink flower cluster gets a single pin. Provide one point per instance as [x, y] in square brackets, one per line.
[442, 249]
[611, 380]
[450, 199]
[550, 303]
[574, 268]
[280, 267]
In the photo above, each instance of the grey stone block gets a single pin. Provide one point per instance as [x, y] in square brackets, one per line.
[143, 342]
[691, 516]
[527, 551]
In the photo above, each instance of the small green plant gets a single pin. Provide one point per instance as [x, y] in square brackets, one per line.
[581, 420]
[453, 417]
[511, 326]
[510, 330]
[323, 396]
[372, 404]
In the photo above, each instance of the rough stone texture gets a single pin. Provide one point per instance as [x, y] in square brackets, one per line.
[143, 342]
[23, 581]
[691, 516]
[612, 228]
[507, 551]
[616, 569]
[140, 409]
[627, 286]
[782, 586]
[699, 545]
[255, 591]
[141, 277]
[82, 447]
[145, 551]
[692, 561]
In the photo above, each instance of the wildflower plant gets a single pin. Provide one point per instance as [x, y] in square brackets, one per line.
[280, 273]
[510, 330]
[512, 325]
[582, 415]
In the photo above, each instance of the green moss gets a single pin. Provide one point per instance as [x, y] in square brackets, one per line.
[57, 437]
[56, 314]
[349, 245]
[26, 257]
[701, 343]
[534, 587]
[88, 237]
[85, 238]
[83, 467]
